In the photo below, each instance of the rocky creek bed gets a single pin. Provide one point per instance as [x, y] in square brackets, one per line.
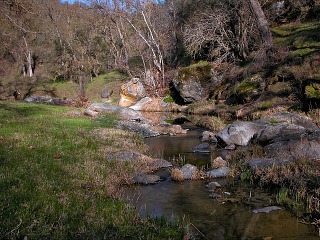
[220, 208]
[287, 157]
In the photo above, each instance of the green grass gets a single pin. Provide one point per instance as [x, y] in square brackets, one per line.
[302, 38]
[266, 105]
[168, 99]
[55, 182]
[111, 80]
[68, 90]
[93, 89]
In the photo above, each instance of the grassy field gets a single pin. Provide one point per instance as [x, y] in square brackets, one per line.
[55, 182]
[111, 80]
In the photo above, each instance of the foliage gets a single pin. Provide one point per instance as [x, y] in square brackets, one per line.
[313, 91]
[247, 87]
[266, 105]
[168, 99]
[56, 183]
[200, 71]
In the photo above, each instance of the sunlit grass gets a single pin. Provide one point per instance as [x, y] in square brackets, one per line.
[111, 80]
[56, 183]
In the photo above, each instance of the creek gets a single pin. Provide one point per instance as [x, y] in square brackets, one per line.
[229, 217]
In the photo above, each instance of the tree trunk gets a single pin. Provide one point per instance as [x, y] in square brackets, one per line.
[263, 26]
[29, 61]
[29, 58]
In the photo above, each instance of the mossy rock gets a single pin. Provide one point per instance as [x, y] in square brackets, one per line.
[193, 83]
[313, 91]
[200, 71]
[249, 89]
[281, 88]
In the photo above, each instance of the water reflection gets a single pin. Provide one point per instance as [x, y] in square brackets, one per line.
[230, 217]
[170, 147]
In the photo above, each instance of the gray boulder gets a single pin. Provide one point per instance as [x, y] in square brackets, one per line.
[290, 118]
[239, 133]
[189, 171]
[49, 100]
[38, 99]
[106, 93]
[305, 147]
[219, 162]
[267, 209]
[212, 186]
[123, 112]
[201, 148]
[146, 179]
[220, 172]
[208, 136]
[152, 164]
[160, 163]
[193, 83]
[279, 132]
[190, 90]
[59, 102]
[143, 129]
[90, 113]
[139, 105]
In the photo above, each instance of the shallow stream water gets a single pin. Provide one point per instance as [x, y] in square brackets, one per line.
[229, 217]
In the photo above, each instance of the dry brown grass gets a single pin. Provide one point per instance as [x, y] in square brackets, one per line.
[176, 174]
[116, 139]
[212, 123]
[206, 107]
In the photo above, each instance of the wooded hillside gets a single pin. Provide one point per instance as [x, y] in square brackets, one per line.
[44, 41]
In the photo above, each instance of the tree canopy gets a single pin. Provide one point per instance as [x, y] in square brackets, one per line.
[59, 41]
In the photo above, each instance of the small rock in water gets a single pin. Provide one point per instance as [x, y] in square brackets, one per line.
[219, 162]
[215, 195]
[201, 148]
[231, 147]
[213, 185]
[146, 179]
[266, 209]
[220, 172]
[207, 136]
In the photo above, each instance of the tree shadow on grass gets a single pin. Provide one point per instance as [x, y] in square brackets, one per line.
[23, 110]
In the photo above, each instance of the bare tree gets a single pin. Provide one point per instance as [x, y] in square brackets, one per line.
[263, 26]
[209, 35]
[135, 28]
[21, 16]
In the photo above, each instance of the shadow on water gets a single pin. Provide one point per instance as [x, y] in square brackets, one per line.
[229, 217]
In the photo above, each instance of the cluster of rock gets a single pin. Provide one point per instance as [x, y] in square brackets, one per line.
[285, 137]
[189, 171]
[133, 120]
